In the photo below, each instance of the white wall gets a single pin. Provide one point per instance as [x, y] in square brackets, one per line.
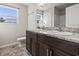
[72, 16]
[10, 32]
[31, 16]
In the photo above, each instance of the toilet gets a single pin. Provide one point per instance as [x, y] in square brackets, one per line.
[21, 40]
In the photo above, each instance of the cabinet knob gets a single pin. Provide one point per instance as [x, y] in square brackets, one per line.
[51, 52]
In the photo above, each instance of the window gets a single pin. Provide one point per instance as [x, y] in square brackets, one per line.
[38, 18]
[8, 14]
[40, 22]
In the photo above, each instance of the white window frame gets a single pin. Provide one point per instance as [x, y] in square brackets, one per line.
[14, 8]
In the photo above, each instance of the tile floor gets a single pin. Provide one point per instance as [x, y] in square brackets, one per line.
[14, 51]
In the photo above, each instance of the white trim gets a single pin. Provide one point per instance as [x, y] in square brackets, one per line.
[6, 45]
[17, 16]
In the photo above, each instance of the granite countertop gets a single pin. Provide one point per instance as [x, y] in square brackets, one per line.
[73, 38]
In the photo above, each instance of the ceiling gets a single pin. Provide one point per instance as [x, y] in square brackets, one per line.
[44, 6]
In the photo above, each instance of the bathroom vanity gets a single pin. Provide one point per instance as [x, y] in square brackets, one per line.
[43, 43]
[56, 43]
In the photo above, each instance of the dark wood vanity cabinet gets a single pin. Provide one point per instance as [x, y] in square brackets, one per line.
[44, 45]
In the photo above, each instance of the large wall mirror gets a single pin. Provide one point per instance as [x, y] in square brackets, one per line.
[72, 16]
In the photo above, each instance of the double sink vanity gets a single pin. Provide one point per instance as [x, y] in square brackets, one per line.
[52, 43]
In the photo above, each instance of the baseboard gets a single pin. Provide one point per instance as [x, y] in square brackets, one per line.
[14, 43]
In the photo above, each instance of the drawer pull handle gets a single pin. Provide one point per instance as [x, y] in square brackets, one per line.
[47, 52]
[51, 53]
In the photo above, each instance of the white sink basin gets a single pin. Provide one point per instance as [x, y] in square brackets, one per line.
[49, 32]
[63, 33]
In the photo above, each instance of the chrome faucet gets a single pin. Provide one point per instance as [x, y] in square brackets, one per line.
[60, 29]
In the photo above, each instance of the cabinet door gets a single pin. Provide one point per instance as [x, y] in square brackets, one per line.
[34, 48]
[34, 44]
[29, 44]
[43, 49]
[58, 52]
[51, 51]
